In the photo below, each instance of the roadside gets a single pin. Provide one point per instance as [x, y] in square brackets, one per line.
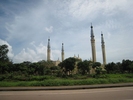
[66, 87]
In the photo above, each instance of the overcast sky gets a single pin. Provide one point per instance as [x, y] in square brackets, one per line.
[26, 25]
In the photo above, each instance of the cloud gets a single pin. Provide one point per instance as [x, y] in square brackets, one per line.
[27, 29]
[83, 9]
[50, 29]
[37, 53]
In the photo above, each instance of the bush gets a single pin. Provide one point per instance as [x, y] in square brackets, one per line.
[2, 78]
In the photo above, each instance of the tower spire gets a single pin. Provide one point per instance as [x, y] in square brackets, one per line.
[92, 33]
[62, 52]
[103, 50]
[93, 45]
[102, 39]
[48, 50]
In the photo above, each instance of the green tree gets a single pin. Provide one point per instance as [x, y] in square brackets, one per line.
[126, 65]
[4, 60]
[97, 67]
[83, 67]
[54, 69]
[98, 70]
[68, 65]
[110, 67]
[46, 63]
[96, 64]
[119, 67]
[3, 53]
[40, 67]
[131, 67]
[33, 68]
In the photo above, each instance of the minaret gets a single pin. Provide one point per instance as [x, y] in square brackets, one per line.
[62, 52]
[93, 45]
[48, 50]
[103, 49]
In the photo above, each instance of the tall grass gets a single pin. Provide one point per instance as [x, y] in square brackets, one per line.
[69, 81]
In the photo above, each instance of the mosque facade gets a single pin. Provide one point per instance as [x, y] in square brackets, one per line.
[93, 49]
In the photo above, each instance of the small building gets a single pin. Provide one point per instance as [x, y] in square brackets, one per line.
[56, 62]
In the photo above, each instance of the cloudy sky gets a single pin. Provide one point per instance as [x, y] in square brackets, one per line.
[26, 25]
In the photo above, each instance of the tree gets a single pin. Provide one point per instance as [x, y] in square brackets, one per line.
[3, 53]
[126, 65]
[98, 70]
[68, 65]
[54, 69]
[4, 60]
[96, 64]
[119, 68]
[40, 68]
[84, 67]
[131, 67]
[110, 67]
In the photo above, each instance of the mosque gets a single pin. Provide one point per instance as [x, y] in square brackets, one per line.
[92, 47]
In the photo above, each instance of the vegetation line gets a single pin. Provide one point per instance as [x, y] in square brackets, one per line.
[67, 81]
[71, 71]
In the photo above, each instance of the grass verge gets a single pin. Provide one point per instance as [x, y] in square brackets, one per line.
[64, 82]
[68, 81]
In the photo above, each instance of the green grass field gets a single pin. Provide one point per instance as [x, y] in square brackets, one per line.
[67, 81]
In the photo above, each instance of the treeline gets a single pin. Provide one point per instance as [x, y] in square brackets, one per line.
[68, 67]
[28, 68]
[126, 66]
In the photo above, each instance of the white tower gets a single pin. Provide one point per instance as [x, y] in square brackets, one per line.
[103, 49]
[93, 45]
[62, 52]
[48, 50]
